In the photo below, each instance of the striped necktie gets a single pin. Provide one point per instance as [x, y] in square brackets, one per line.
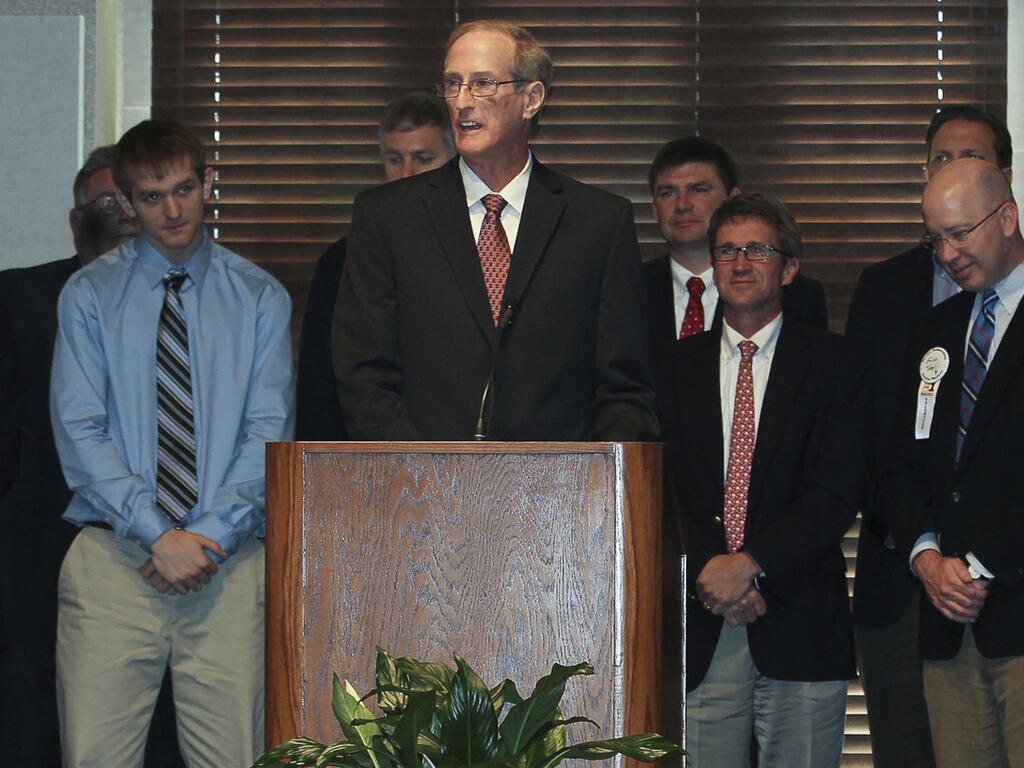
[176, 441]
[976, 363]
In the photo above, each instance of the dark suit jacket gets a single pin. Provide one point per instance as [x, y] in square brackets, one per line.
[413, 336]
[889, 302]
[803, 300]
[977, 504]
[804, 492]
[317, 413]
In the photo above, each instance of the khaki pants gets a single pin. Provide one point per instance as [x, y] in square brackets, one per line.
[976, 708]
[116, 634]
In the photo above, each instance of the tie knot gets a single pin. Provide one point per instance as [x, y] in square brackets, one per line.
[695, 287]
[747, 349]
[989, 297]
[173, 280]
[494, 204]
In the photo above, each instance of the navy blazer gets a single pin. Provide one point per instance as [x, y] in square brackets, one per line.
[805, 489]
[975, 504]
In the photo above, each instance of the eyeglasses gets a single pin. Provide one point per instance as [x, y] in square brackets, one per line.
[479, 87]
[934, 243]
[105, 203]
[755, 252]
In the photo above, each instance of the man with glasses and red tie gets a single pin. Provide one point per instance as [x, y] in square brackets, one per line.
[954, 498]
[493, 273]
[766, 494]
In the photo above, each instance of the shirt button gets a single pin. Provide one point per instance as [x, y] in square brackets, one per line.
[956, 497]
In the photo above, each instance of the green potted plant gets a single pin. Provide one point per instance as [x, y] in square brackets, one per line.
[438, 717]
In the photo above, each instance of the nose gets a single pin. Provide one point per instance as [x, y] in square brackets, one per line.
[172, 208]
[407, 168]
[463, 98]
[683, 202]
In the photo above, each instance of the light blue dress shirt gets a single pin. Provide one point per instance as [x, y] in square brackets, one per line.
[103, 389]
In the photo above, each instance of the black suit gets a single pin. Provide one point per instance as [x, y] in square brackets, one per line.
[889, 302]
[33, 536]
[803, 300]
[414, 336]
[317, 412]
[977, 504]
[804, 492]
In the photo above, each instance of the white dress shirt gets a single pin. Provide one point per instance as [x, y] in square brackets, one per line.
[514, 193]
[728, 373]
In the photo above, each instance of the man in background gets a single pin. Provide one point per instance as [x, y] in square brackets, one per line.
[890, 300]
[689, 178]
[414, 136]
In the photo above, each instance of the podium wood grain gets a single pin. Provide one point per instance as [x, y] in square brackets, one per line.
[513, 555]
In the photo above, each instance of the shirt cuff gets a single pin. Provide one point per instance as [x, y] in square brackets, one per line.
[977, 570]
[924, 541]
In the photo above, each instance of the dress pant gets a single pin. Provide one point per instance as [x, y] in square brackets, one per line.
[890, 669]
[796, 724]
[976, 708]
[115, 636]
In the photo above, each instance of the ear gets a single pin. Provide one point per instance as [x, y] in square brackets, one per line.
[534, 99]
[208, 175]
[734, 192]
[1008, 173]
[1008, 219]
[924, 170]
[126, 205]
[74, 220]
[790, 269]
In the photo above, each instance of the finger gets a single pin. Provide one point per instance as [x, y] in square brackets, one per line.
[730, 619]
[147, 568]
[211, 545]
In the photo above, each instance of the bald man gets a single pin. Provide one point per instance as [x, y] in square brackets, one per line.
[955, 498]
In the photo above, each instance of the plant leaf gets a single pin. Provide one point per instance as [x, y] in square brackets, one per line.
[527, 717]
[300, 749]
[469, 727]
[419, 711]
[547, 742]
[504, 692]
[426, 676]
[389, 679]
[347, 707]
[645, 747]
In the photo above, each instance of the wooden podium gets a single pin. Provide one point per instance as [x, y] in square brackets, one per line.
[513, 555]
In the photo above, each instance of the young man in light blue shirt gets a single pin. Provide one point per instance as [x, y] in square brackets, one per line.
[172, 369]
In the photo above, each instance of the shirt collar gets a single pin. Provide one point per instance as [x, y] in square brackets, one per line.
[681, 274]
[156, 265]
[1011, 288]
[514, 192]
[765, 338]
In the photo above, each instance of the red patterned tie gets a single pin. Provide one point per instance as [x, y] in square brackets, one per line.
[494, 252]
[693, 320]
[741, 450]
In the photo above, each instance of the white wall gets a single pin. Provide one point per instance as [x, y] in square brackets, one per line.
[74, 74]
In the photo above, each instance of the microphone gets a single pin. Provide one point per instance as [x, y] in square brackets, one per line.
[504, 321]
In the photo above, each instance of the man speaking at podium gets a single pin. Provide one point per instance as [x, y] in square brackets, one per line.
[493, 268]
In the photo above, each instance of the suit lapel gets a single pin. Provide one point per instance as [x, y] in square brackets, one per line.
[665, 303]
[1000, 373]
[542, 210]
[788, 364]
[924, 276]
[446, 205]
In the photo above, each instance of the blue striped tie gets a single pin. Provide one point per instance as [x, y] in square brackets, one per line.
[176, 441]
[976, 363]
